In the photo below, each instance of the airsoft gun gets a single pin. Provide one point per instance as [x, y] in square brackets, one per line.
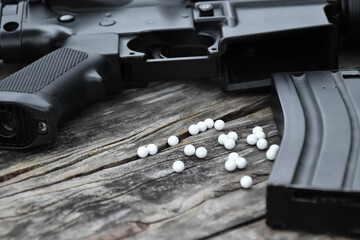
[81, 51]
[84, 50]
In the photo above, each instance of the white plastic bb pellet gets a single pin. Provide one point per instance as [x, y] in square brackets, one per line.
[230, 165]
[275, 147]
[152, 149]
[260, 134]
[233, 135]
[233, 155]
[178, 166]
[222, 138]
[262, 144]
[142, 152]
[209, 123]
[257, 129]
[173, 140]
[201, 152]
[202, 126]
[189, 150]
[246, 182]
[241, 162]
[219, 125]
[194, 129]
[229, 144]
[251, 139]
[271, 154]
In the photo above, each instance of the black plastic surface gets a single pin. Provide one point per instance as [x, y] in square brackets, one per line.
[351, 17]
[238, 45]
[49, 91]
[315, 181]
[241, 36]
[44, 71]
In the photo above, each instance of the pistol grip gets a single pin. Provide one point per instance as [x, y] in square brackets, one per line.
[36, 99]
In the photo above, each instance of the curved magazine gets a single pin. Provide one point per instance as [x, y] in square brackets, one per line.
[315, 181]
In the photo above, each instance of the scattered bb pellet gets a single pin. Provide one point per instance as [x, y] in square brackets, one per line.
[230, 165]
[246, 182]
[260, 134]
[233, 135]
[219, 125]
[173, 140]
[229, 144]
[271, 154]
[209, 123]
[142, 152]
[222, 138]
[257, 129]
[189, 150]
[240, 162]
[194, 129]
[201, 152]
[233, 155]
[178, 166]
[251, 139]
[202, 126]
[262, 144]
[152, 149]
[275, 147]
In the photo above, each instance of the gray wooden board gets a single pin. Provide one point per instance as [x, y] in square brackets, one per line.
[91, 184]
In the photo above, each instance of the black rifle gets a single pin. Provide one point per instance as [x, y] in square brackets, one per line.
[85, 50]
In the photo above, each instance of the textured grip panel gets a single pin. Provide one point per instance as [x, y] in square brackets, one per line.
[42, 72]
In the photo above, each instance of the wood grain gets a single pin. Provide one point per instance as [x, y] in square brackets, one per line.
[90, 183]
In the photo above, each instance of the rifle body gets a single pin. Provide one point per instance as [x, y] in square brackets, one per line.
[126, 44]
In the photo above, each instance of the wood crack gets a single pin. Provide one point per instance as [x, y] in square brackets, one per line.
[91, 203]
[259, 218]
[74, 176]
[11, 175]
[82, 157]
[247, 110]
[181, 136]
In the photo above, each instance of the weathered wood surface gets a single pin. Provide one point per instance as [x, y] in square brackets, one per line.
[90, 183]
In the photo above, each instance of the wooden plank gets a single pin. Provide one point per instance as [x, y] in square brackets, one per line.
[91, 183]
